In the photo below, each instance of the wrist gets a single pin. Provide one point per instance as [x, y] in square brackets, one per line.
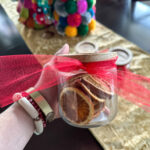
[23, 116]
[37, 108]
[16, 127]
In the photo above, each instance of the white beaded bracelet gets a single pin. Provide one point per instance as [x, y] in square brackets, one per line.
[28, 107]
[32, 106]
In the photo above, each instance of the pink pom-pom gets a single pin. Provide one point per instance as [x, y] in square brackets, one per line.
[94, 9]
[74, 20]
[82, 6]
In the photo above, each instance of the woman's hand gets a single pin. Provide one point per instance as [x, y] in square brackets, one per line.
[51, 94]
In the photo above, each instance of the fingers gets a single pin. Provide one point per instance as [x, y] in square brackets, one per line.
[49, 71]
[63, 50]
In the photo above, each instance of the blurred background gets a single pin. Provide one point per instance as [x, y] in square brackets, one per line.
[129, 18]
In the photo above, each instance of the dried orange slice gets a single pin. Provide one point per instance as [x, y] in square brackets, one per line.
[96, 114]
[92, 90]
[85, 83]
[97, 102]
[98, 87]
[88, 90]
[98, 107]
[76, 106]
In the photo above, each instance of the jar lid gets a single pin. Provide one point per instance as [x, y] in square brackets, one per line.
[124, 56]
[86, 47]
[92, 57]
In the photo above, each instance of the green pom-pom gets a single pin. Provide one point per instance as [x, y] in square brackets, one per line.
[71, 6]
[38, 26]
[24, 13]
[83, 30]
[90, 3]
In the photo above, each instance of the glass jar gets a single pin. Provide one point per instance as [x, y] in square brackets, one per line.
[88, 98]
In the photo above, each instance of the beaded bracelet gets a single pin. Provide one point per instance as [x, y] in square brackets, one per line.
[37, 107]
[34, 104]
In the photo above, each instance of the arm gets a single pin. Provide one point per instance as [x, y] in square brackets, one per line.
[16, 128]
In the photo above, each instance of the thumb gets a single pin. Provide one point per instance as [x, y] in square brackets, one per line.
[63, 50]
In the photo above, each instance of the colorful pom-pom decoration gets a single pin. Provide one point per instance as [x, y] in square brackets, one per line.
[64, 0]
[80, 17]
[70, 17]
[91, 11]
[74, 20]
[83, 30]
[63, 21]
[82, 6]
[50, 2]
[60, 29]
[24, 13]
[71, 31]
[60, 8]
[86, 18]
[27, 4]
[92, 25]
[30, 23]
[56, 16]
[36, 14]
[71, 6]
[94, 9]
[90, 3]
